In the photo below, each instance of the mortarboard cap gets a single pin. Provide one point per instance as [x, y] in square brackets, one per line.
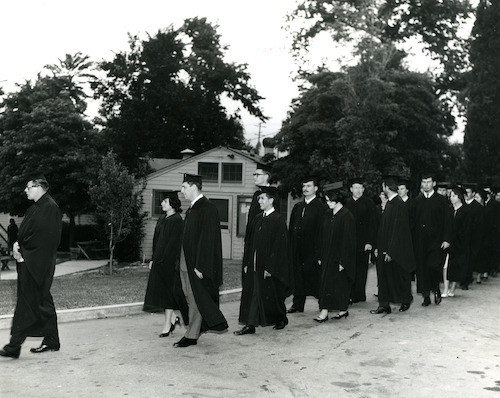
[356, 180]
[193, 178]
[333, 186]
[169, 195]
[265, 167]
[444, 184]
[270, 191]
[458, 189]
[469, 185]
[312, 178]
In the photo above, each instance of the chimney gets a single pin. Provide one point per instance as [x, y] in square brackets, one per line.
[187, 153]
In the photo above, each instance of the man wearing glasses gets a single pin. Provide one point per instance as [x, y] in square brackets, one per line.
[35, 252]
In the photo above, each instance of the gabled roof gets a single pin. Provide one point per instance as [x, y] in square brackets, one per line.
[179, 162]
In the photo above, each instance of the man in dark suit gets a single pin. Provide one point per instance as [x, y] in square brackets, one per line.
[262, 178]
[431, 236]
[363, 210]
[305, 242]
[201, 263]
[35, 252]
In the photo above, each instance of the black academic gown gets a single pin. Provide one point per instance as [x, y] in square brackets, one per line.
[164, 290]
[203, 250]
[432, 226]
[262, 299]
[305, 243]
[459, 246]
[363, 210]
[491, 235]
[394, 239]
[338, 246]
[477, 229]
[39, 237]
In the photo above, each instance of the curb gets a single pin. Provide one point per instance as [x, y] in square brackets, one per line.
[111, 311]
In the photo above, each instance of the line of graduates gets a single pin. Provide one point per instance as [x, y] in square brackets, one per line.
[326, 250]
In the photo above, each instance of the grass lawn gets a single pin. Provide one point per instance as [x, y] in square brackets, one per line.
[95, 288]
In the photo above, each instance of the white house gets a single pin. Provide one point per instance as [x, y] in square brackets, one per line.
[227, 181]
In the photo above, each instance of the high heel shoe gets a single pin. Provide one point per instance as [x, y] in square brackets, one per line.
[177, 322]
[344, 315]
[321, 320]
[167, 333]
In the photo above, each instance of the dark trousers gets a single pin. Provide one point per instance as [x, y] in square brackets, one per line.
[394, 284]
[358, 292]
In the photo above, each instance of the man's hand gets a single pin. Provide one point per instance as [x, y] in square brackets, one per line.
[198, 274]
[368, 247]
[16, 253]
[375, 252]
[445, 245]
[340, 268]
[387, 258]
[150, 264]
[266, 274]
[245, 269]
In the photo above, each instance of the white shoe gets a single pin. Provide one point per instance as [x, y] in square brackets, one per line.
[444, 294]
[451, 294]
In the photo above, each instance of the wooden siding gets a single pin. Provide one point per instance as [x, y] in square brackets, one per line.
[172, 178]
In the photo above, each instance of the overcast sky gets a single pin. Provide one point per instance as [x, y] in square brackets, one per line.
[38, 32]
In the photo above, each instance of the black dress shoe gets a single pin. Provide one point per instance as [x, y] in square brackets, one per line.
[185, 342]
[245, 330]
[404, 307]
[43, 348]
[381, 310]
[437, 297]
[427, 302]
[321, 320]
[344, 315]
[281, 324]
[10, 353]
[293, 310]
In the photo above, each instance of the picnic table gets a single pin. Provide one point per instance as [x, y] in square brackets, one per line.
[92, 248]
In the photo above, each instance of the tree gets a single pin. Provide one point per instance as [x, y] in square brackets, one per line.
[435, 24]
[482, 133]
[114, 198]
[357, 123]
[43, 131]
[166, 94]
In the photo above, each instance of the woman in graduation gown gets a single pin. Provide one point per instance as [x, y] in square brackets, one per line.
[164, 290]
[338, 257]
[460, 241]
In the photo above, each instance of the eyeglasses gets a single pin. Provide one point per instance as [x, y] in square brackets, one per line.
[31, 186]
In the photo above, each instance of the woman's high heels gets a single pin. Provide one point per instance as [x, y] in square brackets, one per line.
[321, 320]
[344, 315]
[167, 333]
[177, 322]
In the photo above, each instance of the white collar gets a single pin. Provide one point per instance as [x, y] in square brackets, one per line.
[393, 195]
[266, 213]
[309, 200]
[469, 201]
[405, 198]
[428, 195]
[196, 199]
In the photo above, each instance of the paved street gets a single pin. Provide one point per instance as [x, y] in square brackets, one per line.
[450, 350]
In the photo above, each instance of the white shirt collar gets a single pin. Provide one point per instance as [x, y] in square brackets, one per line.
[428, 195]
[196, 199]
[392, 196]
[266, 213]
[405, 198]
[309, 200]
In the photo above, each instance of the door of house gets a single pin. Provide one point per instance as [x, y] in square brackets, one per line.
[224, 205]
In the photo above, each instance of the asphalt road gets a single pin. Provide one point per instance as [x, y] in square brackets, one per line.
[449, 350]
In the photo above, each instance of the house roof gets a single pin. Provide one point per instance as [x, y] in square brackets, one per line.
[175, 163]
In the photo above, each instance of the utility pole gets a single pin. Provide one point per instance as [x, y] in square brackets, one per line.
[259, 145]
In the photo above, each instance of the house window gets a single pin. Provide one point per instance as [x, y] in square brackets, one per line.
[209, 171]
[158, 196]
[232, 172]
[244, 203]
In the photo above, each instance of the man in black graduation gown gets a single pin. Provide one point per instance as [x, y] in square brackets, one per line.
[432, 217]
[363, 210]
[35, 252]
[305, 243]
[262, 178]
[477, 229]
[266, 269]
[395, 260]
[201, 263]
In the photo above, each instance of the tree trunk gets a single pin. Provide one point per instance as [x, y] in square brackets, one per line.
[71, 231]
[111, 249]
